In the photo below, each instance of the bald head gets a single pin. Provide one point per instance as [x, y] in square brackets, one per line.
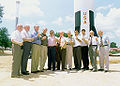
[91, 33]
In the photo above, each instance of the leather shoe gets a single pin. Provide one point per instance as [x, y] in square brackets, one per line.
[25, 73]
[101, 70]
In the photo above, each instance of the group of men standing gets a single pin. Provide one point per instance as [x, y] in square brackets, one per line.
[58, 50]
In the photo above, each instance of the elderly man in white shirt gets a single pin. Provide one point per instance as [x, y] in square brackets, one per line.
[77, 51]
[27, 44]
[69, 50]
[103, 51]
[84, 49]
[93, 42]
[17, 41]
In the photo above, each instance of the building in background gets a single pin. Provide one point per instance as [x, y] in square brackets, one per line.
[84, 15]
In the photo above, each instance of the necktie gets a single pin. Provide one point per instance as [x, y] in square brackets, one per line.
[91, 41]
[101, 41]
[59, 41]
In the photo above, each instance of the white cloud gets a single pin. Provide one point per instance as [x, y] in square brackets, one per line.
[69, 19]
[104, 7]
[109, 23]
[110, 35]
[27, 8]
[42, 23]
[58, 21]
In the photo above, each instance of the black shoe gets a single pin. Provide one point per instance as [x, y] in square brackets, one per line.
[41, 71]
[74, 68]
[48, 69]
[87, 68]
[70, 68]
[83, 68]
[35, 71]
[25, 73]
[101, 70]
[91, 69]
[106, 71]
[94, 70]
[53, 70]
[78, 69]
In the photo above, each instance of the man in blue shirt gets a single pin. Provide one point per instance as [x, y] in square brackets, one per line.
[36, 48]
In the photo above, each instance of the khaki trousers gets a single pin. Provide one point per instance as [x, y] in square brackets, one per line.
[36, 49]
[43, 58]
[17, 56]
[104, 57]
[69, 54]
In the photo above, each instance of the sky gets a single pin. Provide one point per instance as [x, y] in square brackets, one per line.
[59, 15]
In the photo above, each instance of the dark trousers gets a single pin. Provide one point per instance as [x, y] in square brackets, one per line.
[58, 57]
[61, 56]
[51, 57]
[84, 50]
[26, 52]
[77, 57]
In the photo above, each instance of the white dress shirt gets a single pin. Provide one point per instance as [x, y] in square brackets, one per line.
[105, 40]
[94, 41]
[83, 42]
[62, 43]
[69, 39]
[76, 42]
[25, 34]
[16, 36]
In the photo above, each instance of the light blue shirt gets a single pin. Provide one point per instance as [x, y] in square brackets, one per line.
[105, 40]
[37, 40]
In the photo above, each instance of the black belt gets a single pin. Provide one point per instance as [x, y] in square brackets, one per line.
[44, 45]
[27, 42]
[93, 45]
[103, 45]
[36, 44]
[51, 46]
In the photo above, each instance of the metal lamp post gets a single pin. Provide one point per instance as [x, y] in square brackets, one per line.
[17, 12]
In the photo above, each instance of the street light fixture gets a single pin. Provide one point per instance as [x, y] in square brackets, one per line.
[17, 12]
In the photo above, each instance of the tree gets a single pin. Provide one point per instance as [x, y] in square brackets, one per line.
[57, 34]
[65, 35]
[4, 38]
[113, 45]
[1, 13]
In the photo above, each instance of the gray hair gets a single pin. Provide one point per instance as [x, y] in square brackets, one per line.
[91, 31]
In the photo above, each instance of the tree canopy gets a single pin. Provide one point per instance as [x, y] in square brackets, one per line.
[4, 38]
[113, 45]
